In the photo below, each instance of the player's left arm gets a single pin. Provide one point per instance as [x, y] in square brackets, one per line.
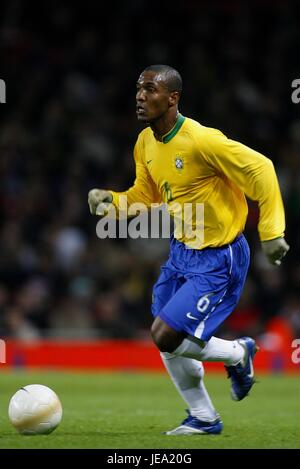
[255, 175]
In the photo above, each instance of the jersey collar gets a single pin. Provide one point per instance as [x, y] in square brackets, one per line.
[167, 137]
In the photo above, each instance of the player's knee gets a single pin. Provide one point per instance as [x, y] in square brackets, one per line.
[165, 338]
[163, 343]
[159, 338]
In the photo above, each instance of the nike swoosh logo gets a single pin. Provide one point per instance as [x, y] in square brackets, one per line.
[189, 315]
[149, 161]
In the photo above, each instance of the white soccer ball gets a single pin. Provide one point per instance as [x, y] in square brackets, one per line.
[35, 410]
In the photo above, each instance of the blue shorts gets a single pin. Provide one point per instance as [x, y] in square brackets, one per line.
[198, 289]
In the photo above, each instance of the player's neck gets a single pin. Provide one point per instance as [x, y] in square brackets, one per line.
[164, 125]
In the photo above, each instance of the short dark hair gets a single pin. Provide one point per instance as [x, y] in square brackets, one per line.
[171, 77]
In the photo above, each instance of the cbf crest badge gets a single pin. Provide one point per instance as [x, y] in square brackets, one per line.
[179, 164]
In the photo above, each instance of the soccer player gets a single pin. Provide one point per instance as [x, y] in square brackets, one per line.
[179, 160]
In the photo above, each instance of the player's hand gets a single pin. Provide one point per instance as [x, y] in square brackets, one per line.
[99, 201]
[275, 250]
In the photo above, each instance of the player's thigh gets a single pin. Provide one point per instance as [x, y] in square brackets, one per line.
[192, 303]
[165, 288]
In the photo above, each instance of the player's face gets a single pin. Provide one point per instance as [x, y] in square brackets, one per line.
[153, 99]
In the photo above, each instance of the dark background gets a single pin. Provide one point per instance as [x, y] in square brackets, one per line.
[69, 125]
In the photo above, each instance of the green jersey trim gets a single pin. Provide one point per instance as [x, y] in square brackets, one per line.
[166, 138]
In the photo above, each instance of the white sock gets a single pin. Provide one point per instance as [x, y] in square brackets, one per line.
[215, 350]
[187, 375]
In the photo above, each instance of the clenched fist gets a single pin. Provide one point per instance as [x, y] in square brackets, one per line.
[275, 250]
[99, 201]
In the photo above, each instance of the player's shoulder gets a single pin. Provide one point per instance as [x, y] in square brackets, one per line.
[143, 137]
[201, 128]
[202, 133]
[145, 133]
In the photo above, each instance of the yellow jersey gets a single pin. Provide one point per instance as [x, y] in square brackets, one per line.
[194, 164]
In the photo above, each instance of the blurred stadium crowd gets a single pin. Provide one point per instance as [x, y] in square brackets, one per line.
[69, 125]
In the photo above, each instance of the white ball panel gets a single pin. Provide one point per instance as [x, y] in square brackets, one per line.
[35, 409]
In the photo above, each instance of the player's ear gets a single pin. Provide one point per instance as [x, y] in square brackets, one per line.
[174, 98]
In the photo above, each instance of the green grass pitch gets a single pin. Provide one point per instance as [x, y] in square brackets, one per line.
[131, 410]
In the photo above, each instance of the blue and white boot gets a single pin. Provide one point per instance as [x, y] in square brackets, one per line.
[193, 426]
[242, 374]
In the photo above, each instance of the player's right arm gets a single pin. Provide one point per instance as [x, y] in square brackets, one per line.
[143, 190]
[255, 175]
